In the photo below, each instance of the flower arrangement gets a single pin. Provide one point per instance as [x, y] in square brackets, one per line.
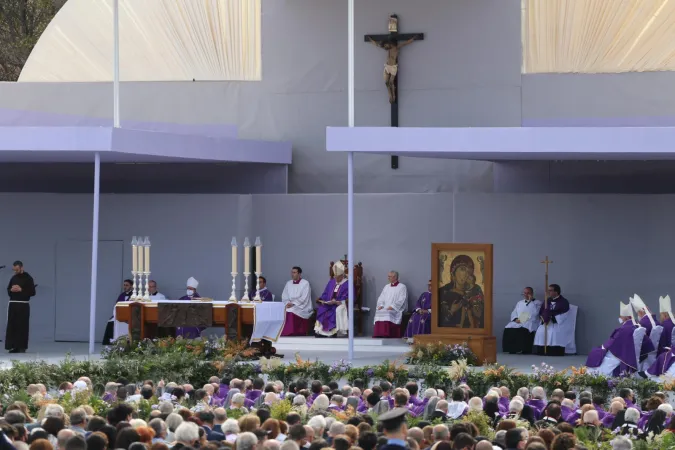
[440, 354]
[339, 368]
[204, 348]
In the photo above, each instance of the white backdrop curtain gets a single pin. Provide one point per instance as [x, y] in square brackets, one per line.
[598, 36]
[160, 40]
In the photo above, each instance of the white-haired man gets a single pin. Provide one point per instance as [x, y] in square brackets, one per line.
[537, 402]
[331, 313]
[187, 435]
[390, 306]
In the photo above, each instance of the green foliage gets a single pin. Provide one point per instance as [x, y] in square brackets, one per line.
[280, 410]
[21, 25]
[209, 349]
[440, 354]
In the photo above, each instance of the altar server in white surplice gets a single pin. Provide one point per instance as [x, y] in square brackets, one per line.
[390, 306]
[154, 293]
[519, 332]
[297, 298]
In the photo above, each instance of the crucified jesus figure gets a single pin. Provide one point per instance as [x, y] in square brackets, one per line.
[392, 47]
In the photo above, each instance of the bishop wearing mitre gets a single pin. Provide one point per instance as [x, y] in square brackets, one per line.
[331, 313]
[297, 298]
[667, 321]
[646, 320]
[390, 306]
[619, 354]
[420, 321]
[519, 332]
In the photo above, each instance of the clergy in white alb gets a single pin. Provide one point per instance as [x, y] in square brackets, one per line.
[154, 293]
[297, 297]
[649, 322]
[519, 332]
[390, 306]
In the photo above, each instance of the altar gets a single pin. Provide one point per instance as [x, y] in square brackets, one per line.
[267, 318]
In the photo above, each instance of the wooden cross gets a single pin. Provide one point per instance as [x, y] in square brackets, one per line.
[392, 43]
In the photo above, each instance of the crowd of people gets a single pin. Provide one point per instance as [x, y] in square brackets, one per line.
[238, 414]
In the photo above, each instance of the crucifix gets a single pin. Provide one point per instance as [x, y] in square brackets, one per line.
[546, 262]
[392, 43]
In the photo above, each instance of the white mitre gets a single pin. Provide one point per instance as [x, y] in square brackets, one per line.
[338, 269]
[191, 282]
[666, 307]
[638, 304]
[625, 310]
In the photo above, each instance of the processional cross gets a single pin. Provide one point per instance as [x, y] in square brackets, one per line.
[546, 262]
[392, 43]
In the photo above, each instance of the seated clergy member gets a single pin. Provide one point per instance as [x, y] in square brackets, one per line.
[190, 332]
[115, 329]
[265, 294]
[648, 321]
[331, 313]
[420, 321]
[390, 306]
[297, 298]
[154, 294]
[667, 323]
[549, 329]
[618, 355]
[663, 368]
[519, 333]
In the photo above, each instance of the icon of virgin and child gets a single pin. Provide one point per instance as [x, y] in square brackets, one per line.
[461, 300]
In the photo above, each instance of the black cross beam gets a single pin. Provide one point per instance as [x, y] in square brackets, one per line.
[394, 36]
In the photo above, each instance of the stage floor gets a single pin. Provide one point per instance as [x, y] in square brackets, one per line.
[367, 351]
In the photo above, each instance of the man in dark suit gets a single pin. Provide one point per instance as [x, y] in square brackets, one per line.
[441, 411]
[207, 423]
[220, 416]
[395, 429]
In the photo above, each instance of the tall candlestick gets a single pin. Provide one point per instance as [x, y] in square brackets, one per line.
[258, 255]
[247, 256]
[134, 254]
[234, 255]
[146, 244]
[139, 255]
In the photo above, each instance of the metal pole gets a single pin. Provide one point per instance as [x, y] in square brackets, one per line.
[94, 252]
[350, 175]
[116, 63]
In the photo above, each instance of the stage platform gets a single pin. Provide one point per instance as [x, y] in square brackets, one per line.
[367, 351]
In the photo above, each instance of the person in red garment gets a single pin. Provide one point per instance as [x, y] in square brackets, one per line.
[390, 306]
[297, 298]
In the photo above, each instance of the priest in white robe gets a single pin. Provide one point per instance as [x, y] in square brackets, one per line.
[390, 306]
[519, 332]
[297, 298]
[154, 293]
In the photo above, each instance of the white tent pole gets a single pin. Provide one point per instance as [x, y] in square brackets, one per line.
[116, 63]
[350, 177]
[94, 252]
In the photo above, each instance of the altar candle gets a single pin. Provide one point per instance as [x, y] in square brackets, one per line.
[234, 255]
[147, 254]
[139, 255]
[258, 255]
[247, 256]
[134, 254]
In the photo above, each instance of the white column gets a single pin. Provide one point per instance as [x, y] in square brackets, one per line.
[116, 63]
[94, 253]
[350, 177]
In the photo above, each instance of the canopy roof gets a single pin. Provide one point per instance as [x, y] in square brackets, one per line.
[515, 143]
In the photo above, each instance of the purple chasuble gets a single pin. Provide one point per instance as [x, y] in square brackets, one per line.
[414, 400]
[555, 307]
[666, 336]
[420, 321]
[265, 295]
[647, 344]
[504, 403]
[621, 344]
[222, 392]
[189, 332]
[253, 394]
[123, 297]
[419, 409]
[646, 323]
[566, 411]
[608, 420]
[662, 364]
[325, 314]
[538, 405]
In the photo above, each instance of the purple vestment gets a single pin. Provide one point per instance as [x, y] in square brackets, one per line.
[414, 399]
[662, 364]
[325, 314]
[538, 406]
[647, 344]
[503, 404]
[666, 336]
[189, 332]
[253, 394]
[608, 420]
[600, 410]
[224, 389]
[420, 322]
[554, 307]
[621, 344]
[566, 411]
[265, 295]
[123, 297]
[419, 409]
